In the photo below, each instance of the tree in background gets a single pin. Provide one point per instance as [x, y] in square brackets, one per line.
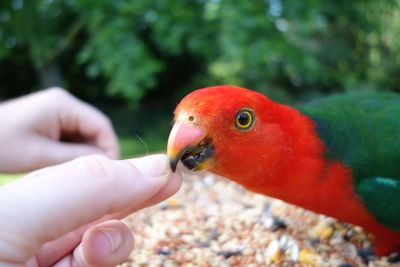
[287, 49]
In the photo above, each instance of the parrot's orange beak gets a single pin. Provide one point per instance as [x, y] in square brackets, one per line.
[189, 144]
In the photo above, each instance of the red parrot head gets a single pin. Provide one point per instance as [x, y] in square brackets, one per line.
[232, 131]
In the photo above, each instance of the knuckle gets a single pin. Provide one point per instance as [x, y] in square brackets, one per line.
[58, 92]
[107, 121]
[104, 121]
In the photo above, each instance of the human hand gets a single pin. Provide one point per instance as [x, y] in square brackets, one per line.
[65, 215]
[34, 128]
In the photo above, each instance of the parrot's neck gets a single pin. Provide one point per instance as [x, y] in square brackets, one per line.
[305, 177]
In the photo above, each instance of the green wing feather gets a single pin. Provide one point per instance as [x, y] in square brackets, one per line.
[382, 198]
[363, 132]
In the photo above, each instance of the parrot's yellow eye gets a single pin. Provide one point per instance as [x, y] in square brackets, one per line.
[244, 119]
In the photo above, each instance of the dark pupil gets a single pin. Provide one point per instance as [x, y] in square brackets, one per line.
[243, 118]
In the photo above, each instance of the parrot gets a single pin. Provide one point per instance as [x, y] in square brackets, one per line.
[338, 155]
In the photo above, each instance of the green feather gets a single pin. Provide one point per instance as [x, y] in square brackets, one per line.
[382, 198]
[363, 132]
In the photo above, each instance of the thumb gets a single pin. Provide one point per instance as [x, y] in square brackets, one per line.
[53, 201]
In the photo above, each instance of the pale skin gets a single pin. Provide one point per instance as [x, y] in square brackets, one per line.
[68, 214]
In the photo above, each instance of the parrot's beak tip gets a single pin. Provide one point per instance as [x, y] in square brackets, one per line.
[173, 163]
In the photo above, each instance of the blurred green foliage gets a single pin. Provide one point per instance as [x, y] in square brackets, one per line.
[135, 59]
[6, 178]
[286, 49]
[140, 146]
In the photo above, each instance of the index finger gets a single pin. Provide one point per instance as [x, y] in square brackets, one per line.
[78, 116]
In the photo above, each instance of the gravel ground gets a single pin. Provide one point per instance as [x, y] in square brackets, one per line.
[215, 222]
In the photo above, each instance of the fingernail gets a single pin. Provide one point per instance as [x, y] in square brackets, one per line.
[153, 165]
[114, 238]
